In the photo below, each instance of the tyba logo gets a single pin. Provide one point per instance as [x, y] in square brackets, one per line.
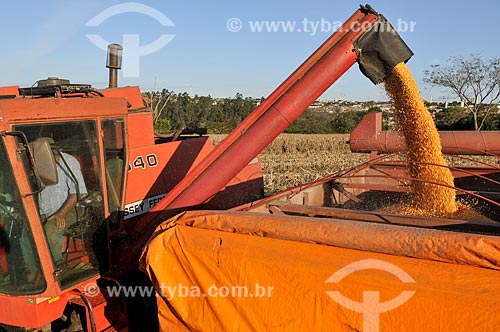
[133, 50]
[371, 307]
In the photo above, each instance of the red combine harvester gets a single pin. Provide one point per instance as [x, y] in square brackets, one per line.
[163, 229]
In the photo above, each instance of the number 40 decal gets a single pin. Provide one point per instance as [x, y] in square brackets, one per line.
[142, 162]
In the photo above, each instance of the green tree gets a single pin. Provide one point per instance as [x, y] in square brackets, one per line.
[345, 122]
[474, 80]
[312, 122]
[453, 118]
[163, 126]
[157, 101]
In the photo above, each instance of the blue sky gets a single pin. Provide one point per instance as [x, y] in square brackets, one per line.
[48, 38]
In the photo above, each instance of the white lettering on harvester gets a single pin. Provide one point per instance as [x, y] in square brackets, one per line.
[140, 207]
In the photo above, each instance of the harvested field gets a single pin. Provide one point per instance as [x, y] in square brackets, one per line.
[292, 159]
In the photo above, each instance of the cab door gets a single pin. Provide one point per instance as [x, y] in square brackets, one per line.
[79, 249]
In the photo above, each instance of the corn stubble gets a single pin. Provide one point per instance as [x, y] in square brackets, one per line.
[434, 194]
[294, 159]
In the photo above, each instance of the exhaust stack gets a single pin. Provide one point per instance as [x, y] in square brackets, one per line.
[114, 62]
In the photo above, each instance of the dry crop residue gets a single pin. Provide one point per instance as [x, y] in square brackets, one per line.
[293, 159]
[433, 184]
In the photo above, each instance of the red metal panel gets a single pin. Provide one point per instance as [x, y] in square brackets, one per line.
[31, 311]
[9, 91]
[172, 162]
[131, 93]
[58, 109]
[148, 183]
[368, 136]
[140, 130]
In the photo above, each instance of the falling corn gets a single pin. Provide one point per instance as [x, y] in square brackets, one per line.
[433, 181]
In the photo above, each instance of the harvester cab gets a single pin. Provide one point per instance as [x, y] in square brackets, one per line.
[90, 158]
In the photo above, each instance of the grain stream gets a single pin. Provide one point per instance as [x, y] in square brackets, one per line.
[433, 185]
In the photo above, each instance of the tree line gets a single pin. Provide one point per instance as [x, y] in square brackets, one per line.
[176, 111]
[473, 80]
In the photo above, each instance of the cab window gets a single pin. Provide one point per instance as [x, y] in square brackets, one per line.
[20, 271]
[114, 155]
[72, 210]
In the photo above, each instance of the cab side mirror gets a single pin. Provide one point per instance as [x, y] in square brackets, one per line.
[45, 163]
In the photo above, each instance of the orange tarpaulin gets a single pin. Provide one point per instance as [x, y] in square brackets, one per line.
[230, 271]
